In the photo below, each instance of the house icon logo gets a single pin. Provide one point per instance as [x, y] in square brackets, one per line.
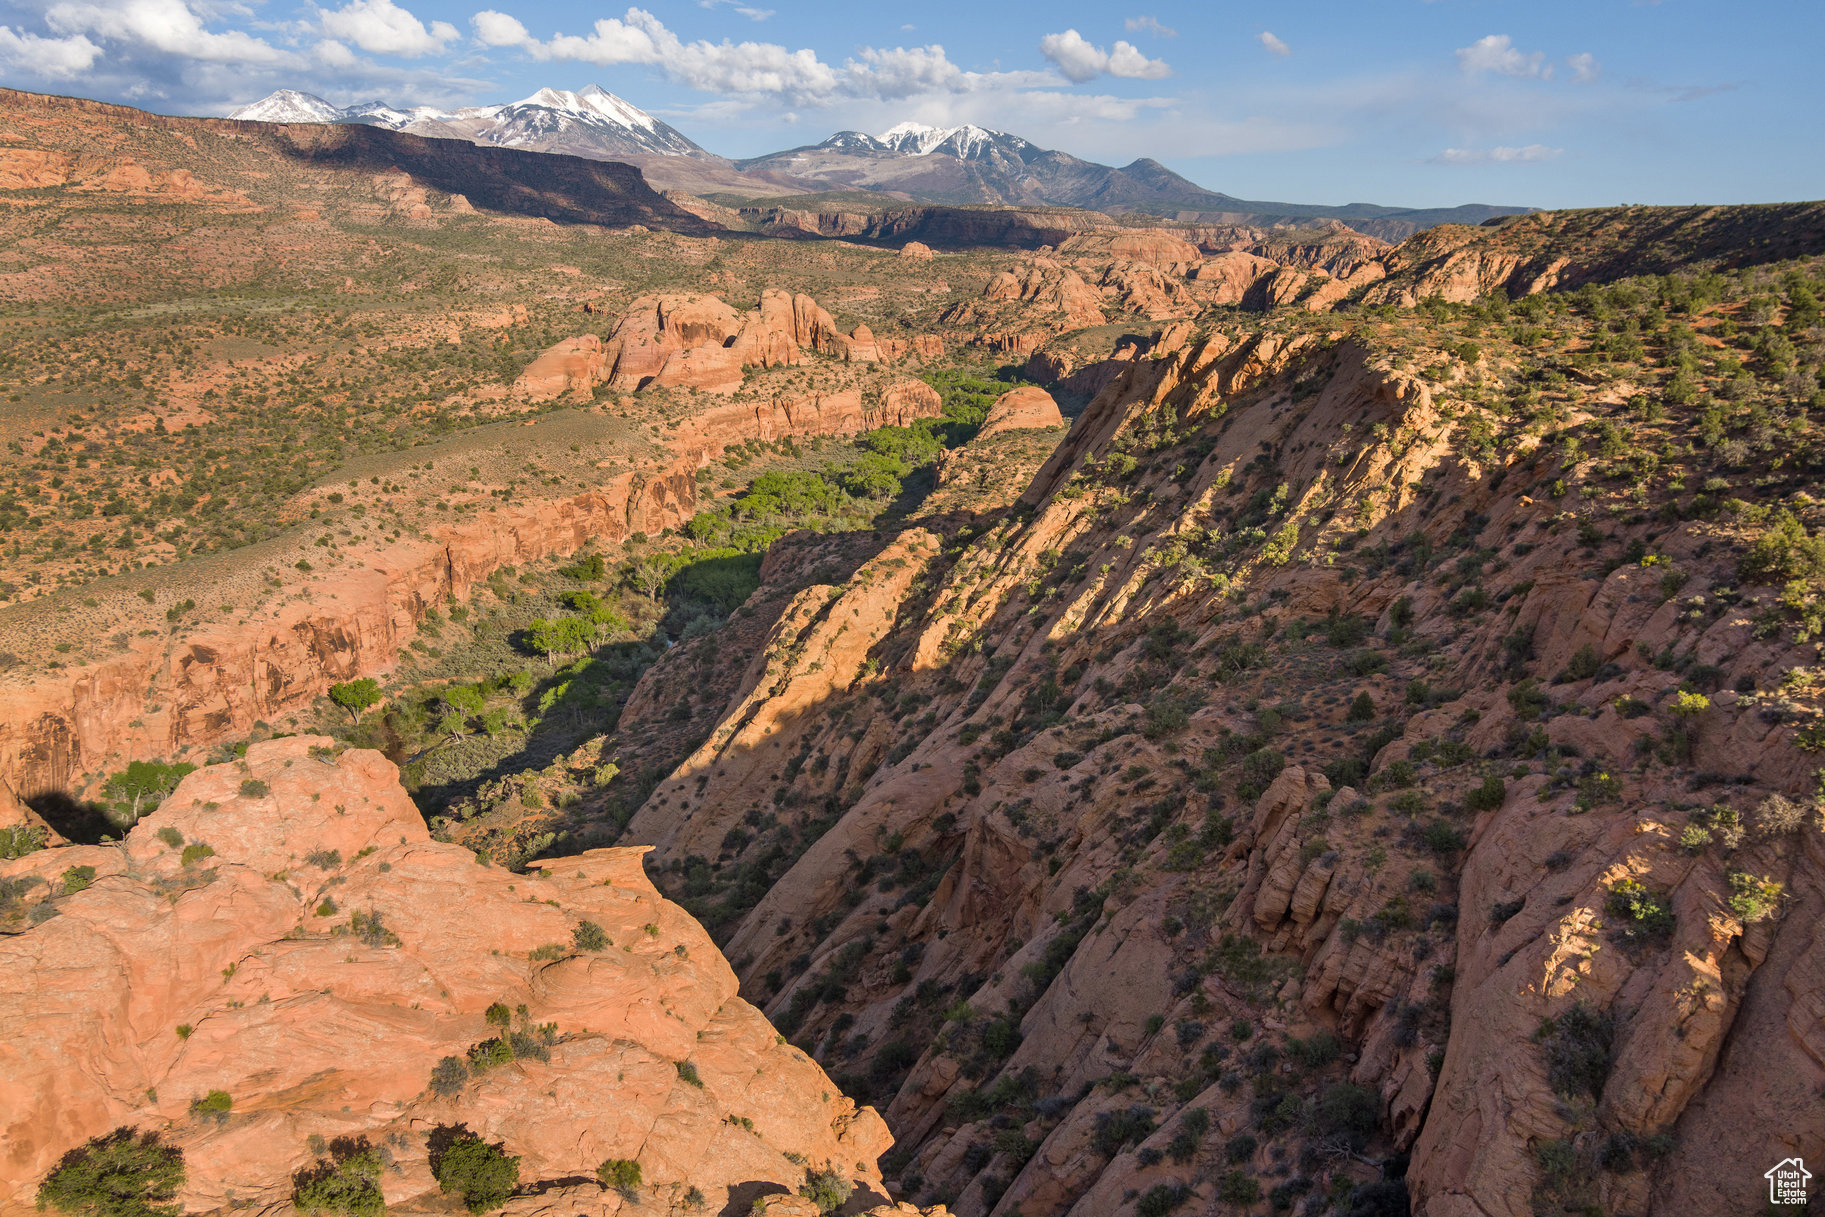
[1787, 1181]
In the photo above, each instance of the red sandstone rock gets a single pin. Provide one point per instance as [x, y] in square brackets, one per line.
[1227, 277]
[573, 367]
[246, 971]
[1022, 408]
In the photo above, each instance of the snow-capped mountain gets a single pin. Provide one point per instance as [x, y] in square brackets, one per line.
[913, 161]
[971, 164]
[289, 106]
[591, 122]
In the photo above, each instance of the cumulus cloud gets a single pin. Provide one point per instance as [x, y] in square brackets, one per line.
[169, 26]
[1274, 45]
[381, 27]
[751, 68]
[1584, 66]
[499, 29]
[1150, 25]
[1081, 60]
[1498, 155]
[1496, 54]
[57, 58]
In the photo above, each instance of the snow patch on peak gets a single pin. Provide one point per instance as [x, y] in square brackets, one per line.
[590, 122]
[923, 139]
[287, 106]
[592, 101]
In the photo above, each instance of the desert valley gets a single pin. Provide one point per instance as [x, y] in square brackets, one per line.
[545, 671]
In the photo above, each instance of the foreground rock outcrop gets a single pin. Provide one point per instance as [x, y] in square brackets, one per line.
[283, 931]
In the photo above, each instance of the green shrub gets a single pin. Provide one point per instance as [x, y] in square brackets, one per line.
[687, 1073]
[1259, 769]
[1161, 1199]
[254, 788]
[1167, 714]
[348, 1181]
[1349, 1110]
[1582, 666]
[1115, 1129]
[1488, 796]
[1645, 914]
[483, 1176]
[1314, 1053]
[143, 785]
[196, 852]
[1442, 837]
[213, 1106]
[1783, 552]
[125, 1173]
[828, 1188]
[1362, 709]
[371, 929]
[1578, 1050]
[448, 1076]
[18, 840]
[356, 696]
[589, 936]
[171, 836]
[76, 878]
[1237, 1188]
[1753, 899]
[622, 1174]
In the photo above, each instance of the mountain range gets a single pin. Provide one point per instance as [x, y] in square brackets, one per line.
[910, 162]
[591, 122]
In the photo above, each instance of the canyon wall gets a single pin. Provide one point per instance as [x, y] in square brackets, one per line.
[1285, 753]
[65, 730]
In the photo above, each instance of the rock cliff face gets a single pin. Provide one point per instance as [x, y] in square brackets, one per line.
[64, 730]
[1285, 787]
[283, 931]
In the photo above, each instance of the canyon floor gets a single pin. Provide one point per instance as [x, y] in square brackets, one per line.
[1016, 714]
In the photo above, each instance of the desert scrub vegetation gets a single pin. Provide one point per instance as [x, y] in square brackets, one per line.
[347, 1180]
[126, 1173]
[480, 1175]
[621, 1174]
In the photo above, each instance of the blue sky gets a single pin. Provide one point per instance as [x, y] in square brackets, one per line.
[1550, 103]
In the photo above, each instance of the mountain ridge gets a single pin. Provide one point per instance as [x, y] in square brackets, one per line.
[922, 163]
[591, 122]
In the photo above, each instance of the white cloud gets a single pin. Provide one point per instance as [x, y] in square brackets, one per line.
[170, 26]
[1499, 155]
[751, 13]
[1584, 66]
[381, 27]
[1150, 25]
[1274, 45]
[57, 58]
[333, 54]
[1496, 53]
[1080, 60]
[752, 68]
[499, 29]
